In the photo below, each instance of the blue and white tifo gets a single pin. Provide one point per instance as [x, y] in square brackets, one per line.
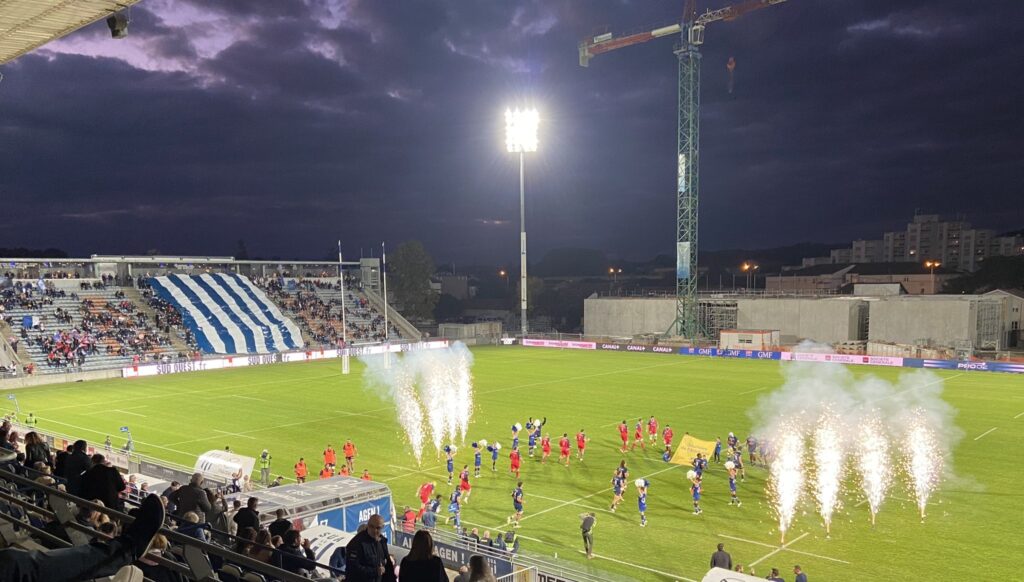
[228, 314]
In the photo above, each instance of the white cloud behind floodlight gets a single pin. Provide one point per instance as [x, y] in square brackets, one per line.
[521, 130]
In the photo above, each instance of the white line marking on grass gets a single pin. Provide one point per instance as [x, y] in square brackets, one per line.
[234, 434]
[777, 550]
[127, 412]
[989, 431]
[1018, 416]
[754, 390]
[762, 544]
[82, 428]
[583, 505]
[632, 565]
[578, 499]
[694, 404]
[275, 427]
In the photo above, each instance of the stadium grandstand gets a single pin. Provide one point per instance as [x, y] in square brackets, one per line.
[105, 313]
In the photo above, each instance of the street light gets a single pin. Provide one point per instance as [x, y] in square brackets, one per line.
[932, 265]
[750, 268]
[504, 275]
[520, 138]
[614, 273]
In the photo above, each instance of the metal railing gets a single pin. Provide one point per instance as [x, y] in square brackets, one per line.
[60, 510]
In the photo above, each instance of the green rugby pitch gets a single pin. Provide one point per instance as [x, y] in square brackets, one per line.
[296, 409]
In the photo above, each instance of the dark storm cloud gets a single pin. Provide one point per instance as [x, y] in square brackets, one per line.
[290, 124]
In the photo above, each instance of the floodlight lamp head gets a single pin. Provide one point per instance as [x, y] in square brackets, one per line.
[521, 130]
[118, 24]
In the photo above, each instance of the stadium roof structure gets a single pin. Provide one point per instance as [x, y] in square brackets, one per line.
[26, 25]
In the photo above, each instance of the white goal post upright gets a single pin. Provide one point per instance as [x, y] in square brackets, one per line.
[344, 321]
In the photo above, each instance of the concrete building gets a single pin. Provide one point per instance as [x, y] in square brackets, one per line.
[824, 320]
[894, 247]
[627, 316]
[955, 321]
[915, 277]
[867, 251]
[1012, 336]
[841, 256]
[954, 243]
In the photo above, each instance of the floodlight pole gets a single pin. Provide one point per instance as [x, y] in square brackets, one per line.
[522, 239]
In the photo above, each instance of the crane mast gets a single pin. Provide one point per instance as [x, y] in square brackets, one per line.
[688, 322]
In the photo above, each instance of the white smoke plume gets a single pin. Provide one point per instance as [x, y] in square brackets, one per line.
[432, 391]
[879, 427]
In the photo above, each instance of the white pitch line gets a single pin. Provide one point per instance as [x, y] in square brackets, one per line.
[986, 432]
[787, 549]
[693, 404]
[275, 427]
[632, 565]
[248, 397]
[1018, 416]
[578, 499]
[234, 434]
[127, 412]
[82, 428]
[777, 550]
[752, 391]
[590, 507]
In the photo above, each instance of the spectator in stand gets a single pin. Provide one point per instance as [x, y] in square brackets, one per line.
[248, 516]
[421, 565]
[409, 522]
[280, 525]
[103, 482]
[243, 542]
[166, 495]
[263, 549]
[479, 571]
[152, 570]
[191, 527]
[76, 463]
[191, 497]
[366, 555]
[721, 558]
[236, 505]
[36, 450]
[295, 555]
[95, 560]
[216, 516]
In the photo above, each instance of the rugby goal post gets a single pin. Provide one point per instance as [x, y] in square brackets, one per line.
[749, 339]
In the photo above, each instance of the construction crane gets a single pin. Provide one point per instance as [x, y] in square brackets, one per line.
[688, 322]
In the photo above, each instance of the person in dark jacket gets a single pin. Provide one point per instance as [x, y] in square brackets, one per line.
[76, 463]
[295, 555]
[280, 525]
[36, 451]
[366, 555]
[721, 558]
[421, 565]
[191, 497]
[248, 516]
[103, 482]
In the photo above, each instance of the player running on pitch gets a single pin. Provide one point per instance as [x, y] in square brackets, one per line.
[517, 505]
[449, 452]
[618, 489]
[641, 500]
[514, 461]
[638, 434]
[624, 435]
[464, 485]
[652, 429]
[732, 484]
[581, 444]
[563, 448]
[545, 448]
[426, 490]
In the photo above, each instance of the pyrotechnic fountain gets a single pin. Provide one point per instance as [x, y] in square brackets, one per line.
[787, 478]
[923, 462]
[873, 461]
[432, 391]
[829, 463]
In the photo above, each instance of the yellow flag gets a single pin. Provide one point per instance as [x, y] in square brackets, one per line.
[688, 449]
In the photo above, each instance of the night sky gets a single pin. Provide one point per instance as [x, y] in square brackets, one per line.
[292, 124]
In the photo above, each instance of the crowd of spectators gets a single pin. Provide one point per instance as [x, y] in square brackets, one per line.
[323, 319]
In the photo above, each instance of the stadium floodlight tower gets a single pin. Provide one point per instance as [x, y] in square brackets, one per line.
[521, 137]
[690, 35]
